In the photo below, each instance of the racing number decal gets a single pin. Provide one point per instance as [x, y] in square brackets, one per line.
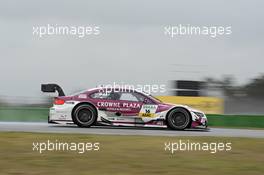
[148, 110]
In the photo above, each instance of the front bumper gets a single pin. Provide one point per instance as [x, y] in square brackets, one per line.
[199, 120]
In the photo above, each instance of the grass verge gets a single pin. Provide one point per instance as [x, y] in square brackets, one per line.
[128, 155]
[236, 121]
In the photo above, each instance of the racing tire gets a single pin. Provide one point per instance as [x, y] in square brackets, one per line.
[84, 115]
[178, 119]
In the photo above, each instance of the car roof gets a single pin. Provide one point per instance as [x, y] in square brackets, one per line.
[108, 89]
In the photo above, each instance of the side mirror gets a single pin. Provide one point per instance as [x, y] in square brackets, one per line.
[145, 101]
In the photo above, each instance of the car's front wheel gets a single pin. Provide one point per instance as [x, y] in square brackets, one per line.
[178, 119]
[84, 115]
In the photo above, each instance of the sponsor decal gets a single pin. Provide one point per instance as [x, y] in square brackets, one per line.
[69, 102]
[118, 105]
[148, 110]
[82, 96]
[131, 105]
[62, 116]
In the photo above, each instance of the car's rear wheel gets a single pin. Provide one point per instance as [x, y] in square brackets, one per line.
[84, 115]
[178, 119]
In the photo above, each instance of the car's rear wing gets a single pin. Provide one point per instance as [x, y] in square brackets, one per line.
[52, 88]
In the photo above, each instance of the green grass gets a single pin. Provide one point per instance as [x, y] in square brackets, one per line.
[35, 114]
[126, 155]
[24, 114]
[240, 121]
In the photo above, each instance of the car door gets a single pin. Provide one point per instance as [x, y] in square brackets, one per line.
[137, 108]
[130, 104]
[108, 106]
[118, 107]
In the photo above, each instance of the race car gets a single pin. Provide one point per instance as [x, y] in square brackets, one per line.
[115, 107]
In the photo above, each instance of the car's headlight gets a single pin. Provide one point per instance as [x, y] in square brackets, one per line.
[199, 114]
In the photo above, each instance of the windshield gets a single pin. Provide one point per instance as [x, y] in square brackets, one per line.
[78, 92]
[155, 98]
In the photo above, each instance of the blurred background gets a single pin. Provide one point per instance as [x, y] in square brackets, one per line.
[222, 75]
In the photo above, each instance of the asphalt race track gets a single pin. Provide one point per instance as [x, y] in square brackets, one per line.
[53, 128]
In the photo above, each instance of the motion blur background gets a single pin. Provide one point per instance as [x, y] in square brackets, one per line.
[133, 49]
[224, 77]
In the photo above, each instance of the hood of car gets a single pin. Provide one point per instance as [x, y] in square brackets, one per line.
[171, 105]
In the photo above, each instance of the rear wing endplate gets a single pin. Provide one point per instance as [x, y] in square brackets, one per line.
[52, 88]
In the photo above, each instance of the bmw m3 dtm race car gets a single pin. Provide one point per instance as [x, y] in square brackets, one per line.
[112, 107]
